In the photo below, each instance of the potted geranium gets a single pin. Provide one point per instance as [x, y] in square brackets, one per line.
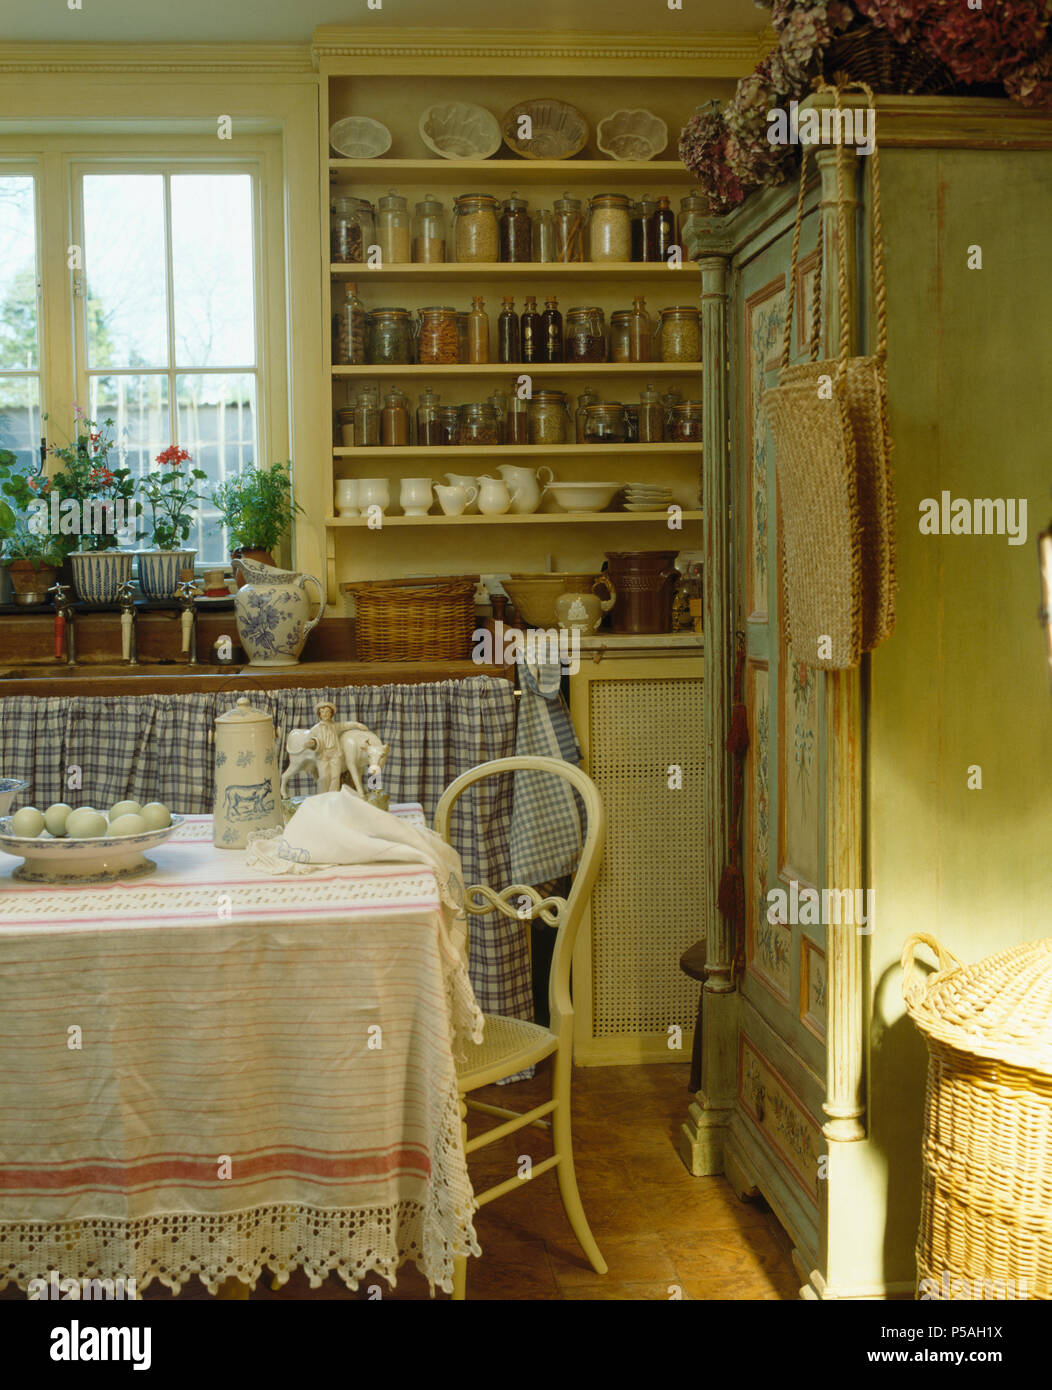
[171, 492]
[257, 510]
[31, 558]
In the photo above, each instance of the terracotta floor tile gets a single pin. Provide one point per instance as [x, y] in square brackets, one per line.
[631, 1259]
[621, 1292]
[729, 1264]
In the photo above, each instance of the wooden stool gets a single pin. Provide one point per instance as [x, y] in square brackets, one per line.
[692, 963]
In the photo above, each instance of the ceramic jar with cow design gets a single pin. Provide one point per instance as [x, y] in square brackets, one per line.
[246, 776]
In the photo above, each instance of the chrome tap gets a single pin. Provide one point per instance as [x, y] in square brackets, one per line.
[186, 592]
[129, 637]
[65, 639]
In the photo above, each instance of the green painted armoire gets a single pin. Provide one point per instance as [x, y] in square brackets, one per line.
[923, 775]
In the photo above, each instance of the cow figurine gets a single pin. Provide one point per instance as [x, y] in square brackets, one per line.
[334, 753]
[362, 752]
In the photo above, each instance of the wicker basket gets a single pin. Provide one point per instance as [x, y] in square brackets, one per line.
[868, 54]
[986, 1204]
[414, 619]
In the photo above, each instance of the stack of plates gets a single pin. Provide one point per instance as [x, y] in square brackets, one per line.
[646, 497]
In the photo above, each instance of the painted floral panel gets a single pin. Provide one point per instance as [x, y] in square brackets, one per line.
[764, 328]
[800, 792]
[770, 942]
[781, 1118]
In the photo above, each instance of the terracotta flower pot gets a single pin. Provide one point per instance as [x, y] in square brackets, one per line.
[249, 552]
[30, 585]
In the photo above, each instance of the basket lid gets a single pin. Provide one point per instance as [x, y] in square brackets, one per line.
[999, 1007]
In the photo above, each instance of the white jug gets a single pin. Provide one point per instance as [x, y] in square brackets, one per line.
[494, 497]
[524, 486]
[246, 776]
[273, 613]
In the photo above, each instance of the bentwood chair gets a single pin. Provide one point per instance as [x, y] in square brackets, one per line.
[510, 1044]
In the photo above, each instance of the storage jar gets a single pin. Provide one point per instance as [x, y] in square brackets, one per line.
[353, 230]
[478, 332]
[428, 430]
[609, 227]
[644, 581]
[392, 229]
[686, 423]
[604, 423]
[429, 232]
[367, 418]
[680, 334]
[585, 335]
[549, 417]
[543, 235]
[693, 211]
[516, 231]
[345, 425]
[476, 234]
[518, 428]
[662, 235]
[631, 414]
[478, 424]
[350, 330]
[651, 416]
[394, 420]
[449, 424]
[438, 345]
[390, 337]
[568, 224]
[584, 400]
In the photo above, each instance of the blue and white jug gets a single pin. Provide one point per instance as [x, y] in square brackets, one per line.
[273, 613]
[246, 776]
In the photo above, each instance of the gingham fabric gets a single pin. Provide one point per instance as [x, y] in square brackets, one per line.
[156, 747]
[546, 834]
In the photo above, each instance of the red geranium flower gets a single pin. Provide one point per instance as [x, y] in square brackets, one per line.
[173, 456]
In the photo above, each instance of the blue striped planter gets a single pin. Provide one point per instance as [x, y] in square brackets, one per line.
[97, 573]
[159, 571]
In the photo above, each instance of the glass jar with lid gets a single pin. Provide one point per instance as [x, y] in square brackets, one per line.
[609, 227]
[604, 423]
[568, 228]
[392, 229]
[438, 344]
[449, 424]
[649, 230]
[651, 416]
[367, 418]
[585, 336]
[662, 234]
[693, 213]
[516, 230]
[631, 418]
[350, 330]
[543, 235]
[686, 422]
[680, 334]
[639, 331]
[476, 234]
[353, 230]
[345, 425]
[478, 424]
[587, 397]
[429, 232]
[394, 420]
[501, 403]
[549, 417]
[518, 427]
[635, 214]
[427, 426]
[390, 338]
[620, 335]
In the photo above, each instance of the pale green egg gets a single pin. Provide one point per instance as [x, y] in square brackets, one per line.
[124, 808]
[55, 818]
[156, 815]
[85, 824]
[27, 823]
[130, 824]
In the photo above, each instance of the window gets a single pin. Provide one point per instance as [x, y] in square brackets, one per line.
[20, 384]
[167, 319]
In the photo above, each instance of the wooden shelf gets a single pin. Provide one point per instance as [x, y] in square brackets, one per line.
[513, 271]
[462, 451]
[519, 171]
[508, 519]
[495, 369]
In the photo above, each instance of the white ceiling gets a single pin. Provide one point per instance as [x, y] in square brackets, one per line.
[293, 21]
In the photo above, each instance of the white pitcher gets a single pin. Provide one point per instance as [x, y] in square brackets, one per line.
[273, 613]
[524, 485]
[246, 775]
[494, 497]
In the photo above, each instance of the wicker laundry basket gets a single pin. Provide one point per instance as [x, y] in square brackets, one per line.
[986, 1205]
[414, 619]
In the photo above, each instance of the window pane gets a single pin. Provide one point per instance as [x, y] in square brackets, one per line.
[19, 349]
[124, 267]
[20, 419]
[138, 407]
[217, 423]
[212, 270]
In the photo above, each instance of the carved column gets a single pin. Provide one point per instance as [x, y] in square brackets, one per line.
[845, 1041]
[701, 1137]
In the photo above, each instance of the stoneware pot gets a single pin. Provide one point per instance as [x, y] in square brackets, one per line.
[246, 775]
[97, 574]
[579, 612]
[29, 585]
[159, 571]
[273, 613]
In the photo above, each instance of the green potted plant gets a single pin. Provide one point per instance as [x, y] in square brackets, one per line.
[257, 509]
[171, 492]
[31, 558]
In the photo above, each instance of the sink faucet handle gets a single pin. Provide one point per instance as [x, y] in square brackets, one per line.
[186, 592]
[126, 595]
[61, 595]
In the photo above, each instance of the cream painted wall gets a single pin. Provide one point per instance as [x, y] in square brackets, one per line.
[283, 97]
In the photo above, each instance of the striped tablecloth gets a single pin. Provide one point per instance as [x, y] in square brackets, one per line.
[208, 1071]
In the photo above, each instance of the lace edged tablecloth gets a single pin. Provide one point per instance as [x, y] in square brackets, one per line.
[208, 1072]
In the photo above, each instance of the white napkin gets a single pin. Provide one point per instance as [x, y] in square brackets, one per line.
[340, 828]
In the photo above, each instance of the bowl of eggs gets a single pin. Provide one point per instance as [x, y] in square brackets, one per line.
[67, 844]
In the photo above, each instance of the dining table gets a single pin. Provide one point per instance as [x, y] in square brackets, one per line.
[211, 1071]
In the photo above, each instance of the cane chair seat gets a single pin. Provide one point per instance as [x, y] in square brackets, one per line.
[509, 1045]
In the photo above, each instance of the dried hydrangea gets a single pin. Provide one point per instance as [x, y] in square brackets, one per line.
[750, 154]
[898, 17]
[983, 45]
[703, 149]
[1031, 84]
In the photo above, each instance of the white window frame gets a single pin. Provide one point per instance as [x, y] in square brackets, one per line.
[29, 168]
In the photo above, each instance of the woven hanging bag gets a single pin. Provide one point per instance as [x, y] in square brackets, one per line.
[832, 446]
[986, 1193]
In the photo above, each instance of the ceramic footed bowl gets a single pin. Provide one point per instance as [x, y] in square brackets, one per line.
[557, 129]
[632, 135]
[459, 130]
[101, 859]
[359, 137]
[9, 789]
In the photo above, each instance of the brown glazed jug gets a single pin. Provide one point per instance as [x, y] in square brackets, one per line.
[644, 581]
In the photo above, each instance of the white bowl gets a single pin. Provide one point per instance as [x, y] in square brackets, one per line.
[583, 497]
[359, 137]
[98, 859]
[459, 130]
[558, 130]
[9, 789]
[631, 135]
